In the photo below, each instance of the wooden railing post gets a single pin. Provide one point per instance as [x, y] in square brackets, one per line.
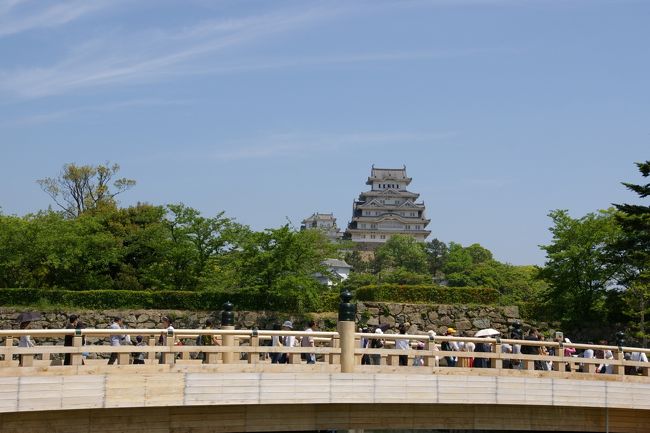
[620, 357]
[254, 357]
[151, 356]
[498, 362]
[346, 328]
[75, 358]
[334, 343]
[429, 347]
[26, 360]
[169, 357]
[228, 324]
[9, 342]
[559, 354]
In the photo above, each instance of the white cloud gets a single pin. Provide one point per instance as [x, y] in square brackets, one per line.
[148, 55]
[18, 16]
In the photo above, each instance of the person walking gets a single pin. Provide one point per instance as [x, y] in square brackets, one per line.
[449, 346]
[115, 339]
[308, 341]
[402, 344]
[207, 339]
[73, 320]
[287, 341]
[276, 341]
[138, 358]
[376, 343]
[169, 328]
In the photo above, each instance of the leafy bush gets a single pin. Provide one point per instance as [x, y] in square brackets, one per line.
[244, 299]
[427, 293]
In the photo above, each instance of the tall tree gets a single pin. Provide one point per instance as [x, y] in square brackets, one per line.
[80, 188]
[579, 266]
[437, 253]
[634, 251]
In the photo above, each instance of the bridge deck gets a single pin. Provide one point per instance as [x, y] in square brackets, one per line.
[251, 394]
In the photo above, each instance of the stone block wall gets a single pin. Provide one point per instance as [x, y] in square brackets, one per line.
[424, 317]
[417, 317]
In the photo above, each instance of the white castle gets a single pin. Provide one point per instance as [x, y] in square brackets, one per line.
[387, 209]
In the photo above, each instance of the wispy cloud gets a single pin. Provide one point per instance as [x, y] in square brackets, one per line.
[58, 115]
[148, 55]
[300, 144]
[18, 16]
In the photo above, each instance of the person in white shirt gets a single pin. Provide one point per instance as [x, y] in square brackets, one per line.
[167, 324]
[403, 344]
[637, 357]
[25, 340]
[115, 339]
[287, 341]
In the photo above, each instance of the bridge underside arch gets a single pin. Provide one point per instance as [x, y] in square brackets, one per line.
[309, 417]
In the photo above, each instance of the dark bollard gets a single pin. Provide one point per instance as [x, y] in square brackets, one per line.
[228, 324]
[346, 328]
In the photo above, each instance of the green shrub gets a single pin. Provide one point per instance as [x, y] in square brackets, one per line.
[427, 293]
[244, 299]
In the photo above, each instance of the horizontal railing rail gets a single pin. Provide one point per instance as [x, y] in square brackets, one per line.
[252, 346]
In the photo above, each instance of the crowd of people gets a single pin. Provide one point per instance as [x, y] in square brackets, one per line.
[378, 341]
[477, 361]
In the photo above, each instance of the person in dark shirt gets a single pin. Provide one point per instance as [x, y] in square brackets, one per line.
[73, 320]
[533, 335]
[482, 362]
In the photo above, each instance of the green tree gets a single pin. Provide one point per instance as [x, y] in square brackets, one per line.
[46, 250]
[275, 258]
[470, 266]
[633, 250]
[358, 262]
[189, 248]
[579, 266]
[80, 188]
[143, 233]
[401, 251]
[458, 260]
[437, 253]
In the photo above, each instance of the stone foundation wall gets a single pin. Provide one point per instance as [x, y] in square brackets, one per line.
[424, 317]
[417, 317]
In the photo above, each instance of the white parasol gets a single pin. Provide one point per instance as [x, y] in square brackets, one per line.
[488, 332]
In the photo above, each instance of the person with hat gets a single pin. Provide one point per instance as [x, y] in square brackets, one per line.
[287, 341]
[450, 346]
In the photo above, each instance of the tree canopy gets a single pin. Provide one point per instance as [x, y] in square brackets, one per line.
[80, 188]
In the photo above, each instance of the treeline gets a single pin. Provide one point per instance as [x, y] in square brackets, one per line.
[597, 268]
[147, 247]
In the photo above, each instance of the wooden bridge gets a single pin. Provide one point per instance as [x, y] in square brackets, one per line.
[234, 386]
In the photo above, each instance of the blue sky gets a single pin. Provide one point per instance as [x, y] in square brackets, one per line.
[502, 110]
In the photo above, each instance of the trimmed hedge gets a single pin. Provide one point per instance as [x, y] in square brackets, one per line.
[427, 293]
[245, 299]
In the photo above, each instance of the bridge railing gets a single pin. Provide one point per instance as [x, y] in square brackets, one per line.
[253, 347]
